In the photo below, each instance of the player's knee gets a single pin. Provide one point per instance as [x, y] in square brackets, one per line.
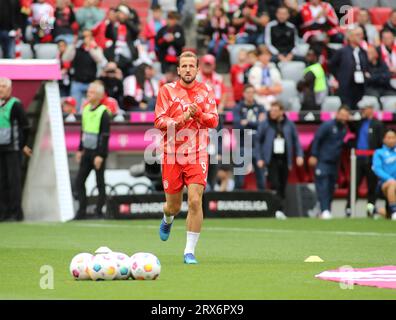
[173, 208]
[194, 203]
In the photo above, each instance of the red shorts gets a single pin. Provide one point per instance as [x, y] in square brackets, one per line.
[175, 175]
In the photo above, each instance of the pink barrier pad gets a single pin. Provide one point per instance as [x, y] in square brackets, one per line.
[30, 69]
[292, 115]
[326, 116]
[381, 277]
[142, 117]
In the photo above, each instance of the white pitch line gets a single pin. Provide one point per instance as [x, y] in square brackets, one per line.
[251, 230]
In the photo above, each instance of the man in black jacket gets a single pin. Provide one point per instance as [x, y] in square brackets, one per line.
[350, 65]
[369, 133]
[9, 24]
[170, 41]
[14, 131]
[93, 149]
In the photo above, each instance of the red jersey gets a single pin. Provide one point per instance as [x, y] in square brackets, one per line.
[172, 101]
[216, 81]
[237, 79]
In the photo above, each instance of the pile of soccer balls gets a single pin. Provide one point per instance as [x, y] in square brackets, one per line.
[110, 265]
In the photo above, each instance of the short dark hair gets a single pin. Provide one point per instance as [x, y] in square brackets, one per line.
[278, 104]
[173, 15]
[263, 49]
[156, 7]
[247, 86]
[344, 107]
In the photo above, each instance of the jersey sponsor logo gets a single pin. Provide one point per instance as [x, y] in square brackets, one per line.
[199, 99]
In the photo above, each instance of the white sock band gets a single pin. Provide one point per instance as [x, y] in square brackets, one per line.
[168, 219]
[192, 239]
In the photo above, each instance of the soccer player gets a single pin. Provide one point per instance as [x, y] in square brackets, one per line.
[184, 111]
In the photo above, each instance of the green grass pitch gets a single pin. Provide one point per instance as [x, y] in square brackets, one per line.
[238, 258]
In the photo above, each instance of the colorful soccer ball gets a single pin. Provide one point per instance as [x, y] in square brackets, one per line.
[79, 266]
[103, 267]
[123, 265]
[145, 266]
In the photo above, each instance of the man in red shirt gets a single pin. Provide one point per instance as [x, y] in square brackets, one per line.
[184, 111]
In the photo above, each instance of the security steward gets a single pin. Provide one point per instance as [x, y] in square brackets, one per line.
[93, 149]
[14, 131]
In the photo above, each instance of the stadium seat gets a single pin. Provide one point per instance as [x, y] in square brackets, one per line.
[234, 50]
[388, 3]
[365, 3]
[295, 104]
[292, 70]
[379, 15]
[388, 103]
[302, 49]
[372, 100]
[289, 92]
[331, 103]
[26, 51]
[46, 50]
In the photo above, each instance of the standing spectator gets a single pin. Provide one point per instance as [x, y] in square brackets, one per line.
[93, 149]
[369, 134]
[237, 73]
[248, 22]
[153, 26]
[349, 66]
[248, 115]
[123, 33]
[391, 23]
[218, 28]
[64, 19]
[294, 12]
[208, 75]
[141, 89]
[170, 41]
[325, 154]
[9, 25]
[270, 6]
[89, 16]
[281, 37]
[112, 81]
[14, 132]
[314, 84]
[388, 53]
[86, 59]
[378, 76]
[265, 78]
[69, 109]
[384, 166]
[99, 31]
[276, 147]
[42, 15]
[371, 35]
[64, 83]
[319, 17]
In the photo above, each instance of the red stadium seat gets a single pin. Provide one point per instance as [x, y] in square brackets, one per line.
[379, 15]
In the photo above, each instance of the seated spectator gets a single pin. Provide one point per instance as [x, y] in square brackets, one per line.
[247, 116]
[153, 26]
[112, 81]
[207, 74]
[224, 180]
[170, 41]
[384, 166]
[313, 86]
[64, 19]
[69, 109]
[319, 17]
[64, 83]
[86, 59]
[251, 61]
[89, 15]
[42, 13]
[249, 23]
[391, 23]
[281, 37]
[218, 28]
[388, 53]
[140, 89]
[378, 76]
[170, 75]
[123, 34]
[371, 34]
[265, 78]
[99, 31]
[237, 73]
[320, 44]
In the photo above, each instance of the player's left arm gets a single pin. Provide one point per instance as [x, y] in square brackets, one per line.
[206, 114]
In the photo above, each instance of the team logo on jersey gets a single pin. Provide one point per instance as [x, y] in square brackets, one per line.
[166, 184]
[199, 99]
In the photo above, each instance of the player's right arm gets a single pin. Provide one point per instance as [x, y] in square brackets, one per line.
[162, 119]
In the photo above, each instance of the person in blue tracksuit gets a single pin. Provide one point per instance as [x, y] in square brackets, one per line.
[384, 166]
[325, 154]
